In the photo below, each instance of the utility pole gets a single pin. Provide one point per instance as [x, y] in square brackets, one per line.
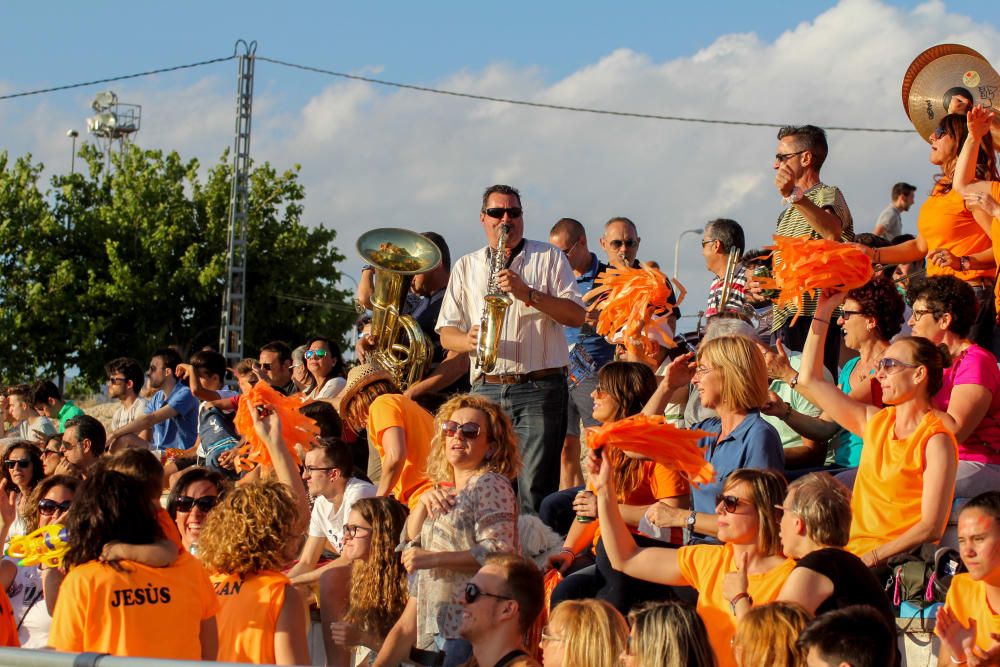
[234, 301]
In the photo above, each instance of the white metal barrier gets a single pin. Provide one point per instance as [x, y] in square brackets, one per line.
[21, 657]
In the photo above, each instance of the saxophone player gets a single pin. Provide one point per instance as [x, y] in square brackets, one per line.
[529, 375]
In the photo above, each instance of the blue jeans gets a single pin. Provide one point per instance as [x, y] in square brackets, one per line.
[537, 409]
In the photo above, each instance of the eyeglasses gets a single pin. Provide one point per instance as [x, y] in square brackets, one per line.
[705, 242]
[618, 243]
[512, 213]
[469, 430]
[48, 507]
[55, 452]
[66, 445]
[351, 530]
[117, 380]
[187, 503]
[917, 314]
[888, 363]
[546, 637]
[474, 592]
[729, 503]
[23, 464]
[266, 366]
[319, 354]
[702, 370]
[782, 157]
[601, 391]
[846, 314]
[320, 468]
[939, 132]
[785, 509]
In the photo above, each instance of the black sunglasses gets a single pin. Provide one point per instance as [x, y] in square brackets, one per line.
[187, 503]
[468, 429]
[618, 243]
[48, 507]
[264, 366]
[512, 212]
[729, 503]
[23, 464]
[474, 592]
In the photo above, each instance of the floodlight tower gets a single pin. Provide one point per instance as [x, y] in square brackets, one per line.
[113, 121]
[234, 300]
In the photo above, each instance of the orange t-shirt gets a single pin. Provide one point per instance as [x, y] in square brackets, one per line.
[389, 410]
[658, 482]
[169, 527]
[944, 222]
[140, 611]
[248, 616]
[995, 235]
[704, 567]
[8, 628]
[887, 497]
[967, 602]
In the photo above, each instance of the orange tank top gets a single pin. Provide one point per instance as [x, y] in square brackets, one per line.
[944, 222]
[249, 615]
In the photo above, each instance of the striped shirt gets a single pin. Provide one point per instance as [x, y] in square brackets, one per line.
[736, 300]
[792, 223]
[529, 339]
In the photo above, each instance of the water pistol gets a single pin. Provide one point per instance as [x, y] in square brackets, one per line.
[45, 546]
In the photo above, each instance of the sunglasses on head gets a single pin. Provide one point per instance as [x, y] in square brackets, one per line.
[468, 429]
[187, 503]
[729, 503]
[474, 592]
[618, 243]
[23, 464]
[497, 213]
[48, 507]
[309, 354]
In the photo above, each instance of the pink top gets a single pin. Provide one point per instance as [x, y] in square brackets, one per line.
[976, 366]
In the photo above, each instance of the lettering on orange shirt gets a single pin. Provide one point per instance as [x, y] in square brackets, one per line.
[227, 588]
[132, 597]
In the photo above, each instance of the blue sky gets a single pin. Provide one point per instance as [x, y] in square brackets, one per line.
[372, 156]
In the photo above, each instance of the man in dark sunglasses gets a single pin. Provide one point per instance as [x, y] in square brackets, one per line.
[529, 377]
[274, 365]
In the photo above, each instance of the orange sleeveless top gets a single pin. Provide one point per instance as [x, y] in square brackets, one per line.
[249, 615]
[944, 222]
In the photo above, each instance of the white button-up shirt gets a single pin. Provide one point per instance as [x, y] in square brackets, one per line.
[530, 340]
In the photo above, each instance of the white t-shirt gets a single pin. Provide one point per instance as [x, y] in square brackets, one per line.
[330, 389]
[325, 522]
[123, 416]
[25, 595]
[26, 429]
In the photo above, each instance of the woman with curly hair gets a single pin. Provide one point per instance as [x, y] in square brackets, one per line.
[623, 387]
[245, 542]
[471, 512]
[111, 607]
[668, 634]
[767, 634]
[378, 580]
[583, 633]
[944, 309]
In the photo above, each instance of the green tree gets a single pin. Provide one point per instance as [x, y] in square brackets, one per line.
[122, 262]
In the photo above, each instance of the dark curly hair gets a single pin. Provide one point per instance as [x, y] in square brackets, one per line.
[878, 298]
[951, 295]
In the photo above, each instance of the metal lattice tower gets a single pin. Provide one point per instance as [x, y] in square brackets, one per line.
[234, 301]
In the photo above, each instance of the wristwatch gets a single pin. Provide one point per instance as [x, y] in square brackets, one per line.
[691, 520]
[534, 296]
[794, 381]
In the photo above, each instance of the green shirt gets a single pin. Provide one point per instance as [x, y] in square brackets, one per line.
[67, 412]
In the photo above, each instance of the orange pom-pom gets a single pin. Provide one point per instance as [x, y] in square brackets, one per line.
[655, 439]
[809, 265]
[296, 428]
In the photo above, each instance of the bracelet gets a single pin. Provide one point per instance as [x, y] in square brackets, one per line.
[875, 256]
[875, 558]
[956, 662]
[816, 319]
[564, 550]
[964, 263]
[737, 598]
[788, 412]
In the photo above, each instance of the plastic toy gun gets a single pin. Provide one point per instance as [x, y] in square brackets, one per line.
[45, 546]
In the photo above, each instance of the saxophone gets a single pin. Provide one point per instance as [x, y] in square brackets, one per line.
[494, 309]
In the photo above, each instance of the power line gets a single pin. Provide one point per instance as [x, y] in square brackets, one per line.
[116, 78]
[562, 107]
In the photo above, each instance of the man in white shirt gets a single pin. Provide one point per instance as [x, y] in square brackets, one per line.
[28, 424]
[327, 474]
[125, 380]
[529, 379]
[890, 223]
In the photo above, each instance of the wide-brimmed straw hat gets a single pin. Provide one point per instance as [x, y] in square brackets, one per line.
[360, 377]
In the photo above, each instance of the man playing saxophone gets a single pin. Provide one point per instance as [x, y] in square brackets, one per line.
[529, 376]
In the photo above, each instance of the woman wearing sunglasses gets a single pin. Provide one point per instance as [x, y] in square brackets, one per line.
[944, 309]
[33, 588]
[52, 454]
[623, 388]
[22, 470]
[326, 368]
[378, 581]
[470, 513]
[747, 522]
[954, 239]
[906, 477]
[192, 497]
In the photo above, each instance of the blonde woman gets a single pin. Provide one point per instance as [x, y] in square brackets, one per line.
[767, 634]
[668, 634]
[583, 633]
[469, 513]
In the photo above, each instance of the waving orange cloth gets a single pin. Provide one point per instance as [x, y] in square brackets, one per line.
[652, 437]
[808, 265]
[296, 428]
[632, 297]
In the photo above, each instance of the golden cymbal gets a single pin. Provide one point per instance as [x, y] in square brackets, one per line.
[939, 73]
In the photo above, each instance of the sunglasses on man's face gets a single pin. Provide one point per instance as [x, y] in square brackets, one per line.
[23, 464]
[187, 503]
[468, 430]
[318, 354]
[618, 243]
[263, 366]
[48, 507]
[474, 592]
[512, 212]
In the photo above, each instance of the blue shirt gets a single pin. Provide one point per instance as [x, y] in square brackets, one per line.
[599, 349]
[181, 431]
[752, 444]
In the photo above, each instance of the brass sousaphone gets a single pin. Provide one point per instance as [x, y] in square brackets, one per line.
[397, 255]
[941, 72]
